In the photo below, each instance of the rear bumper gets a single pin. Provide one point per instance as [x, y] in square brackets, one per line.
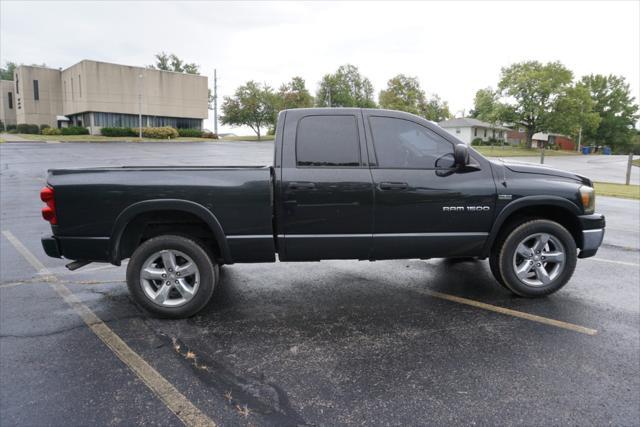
[592, 234]
[77, 248]
[51, 248]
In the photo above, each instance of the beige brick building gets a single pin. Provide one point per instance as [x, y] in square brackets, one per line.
[7, 106]
[99, 94]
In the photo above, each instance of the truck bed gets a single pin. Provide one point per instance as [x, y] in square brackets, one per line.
[240, 197]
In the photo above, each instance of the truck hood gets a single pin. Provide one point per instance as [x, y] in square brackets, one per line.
[530, 168]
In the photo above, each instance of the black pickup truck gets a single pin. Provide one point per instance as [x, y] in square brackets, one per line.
[346, 183]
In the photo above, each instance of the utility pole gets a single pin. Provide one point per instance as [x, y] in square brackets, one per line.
[215, 101]
[580, 140]
[140, 105]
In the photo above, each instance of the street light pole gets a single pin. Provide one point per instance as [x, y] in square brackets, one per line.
[140, 105]
[215, 101]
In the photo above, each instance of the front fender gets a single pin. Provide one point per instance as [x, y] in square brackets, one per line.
[524, 202]
[132, 211]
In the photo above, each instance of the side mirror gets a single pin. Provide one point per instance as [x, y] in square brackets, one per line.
[461, 155]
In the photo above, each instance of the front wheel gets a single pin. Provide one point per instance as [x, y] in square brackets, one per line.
[537, 258]
[171, 276]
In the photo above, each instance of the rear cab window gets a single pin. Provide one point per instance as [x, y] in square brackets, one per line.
[328, 141]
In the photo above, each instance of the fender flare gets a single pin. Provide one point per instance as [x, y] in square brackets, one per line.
[132, 211]
[524, 202]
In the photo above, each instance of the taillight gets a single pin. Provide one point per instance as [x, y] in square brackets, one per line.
[49, 211]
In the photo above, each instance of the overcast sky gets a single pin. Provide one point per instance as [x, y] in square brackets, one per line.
[454, 48]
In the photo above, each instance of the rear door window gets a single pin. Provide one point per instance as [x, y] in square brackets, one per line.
[327, 141]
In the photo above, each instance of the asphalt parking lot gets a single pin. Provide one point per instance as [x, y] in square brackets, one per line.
[330, 343]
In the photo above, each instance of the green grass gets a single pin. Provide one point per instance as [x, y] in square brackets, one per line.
[617, 190]
[519, 152]
[635, 162]
[97, 138]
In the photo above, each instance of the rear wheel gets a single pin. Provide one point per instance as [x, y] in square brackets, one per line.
[537, 258]
[171, 276]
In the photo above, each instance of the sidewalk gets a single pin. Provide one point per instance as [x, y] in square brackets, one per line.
[9, 137]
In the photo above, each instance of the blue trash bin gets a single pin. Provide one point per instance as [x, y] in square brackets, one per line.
[606, 151]
[585, 150]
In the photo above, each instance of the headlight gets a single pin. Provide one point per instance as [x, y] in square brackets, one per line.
[588, 198]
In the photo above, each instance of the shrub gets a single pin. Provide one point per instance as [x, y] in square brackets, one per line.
[477, 141]
[190, 133]
[51, 131]
[9, 128]
[1, 126]
[28, 128]
[43, 127]
[75, 130]
[210, 135]
[164, 132]
[117, 132]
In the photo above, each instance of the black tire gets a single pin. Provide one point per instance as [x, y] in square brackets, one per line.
[559, 236]
[206, 268]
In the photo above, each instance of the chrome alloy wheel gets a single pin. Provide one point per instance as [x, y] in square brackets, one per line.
[539, 259]
[169, 278]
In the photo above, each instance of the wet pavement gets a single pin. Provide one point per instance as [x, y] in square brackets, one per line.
[328, 343]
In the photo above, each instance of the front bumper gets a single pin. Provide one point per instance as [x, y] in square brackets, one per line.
[592, 234]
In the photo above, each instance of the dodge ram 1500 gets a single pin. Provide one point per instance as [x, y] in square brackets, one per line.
[345, 183]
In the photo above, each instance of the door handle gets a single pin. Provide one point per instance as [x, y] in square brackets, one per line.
[397, 186]
[302, 185]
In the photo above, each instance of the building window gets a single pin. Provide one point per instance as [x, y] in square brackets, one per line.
[36, 90]
[17, 84]
[457, 130]
[485, 133]
[10, 96]
[475, 131]
[131, 120]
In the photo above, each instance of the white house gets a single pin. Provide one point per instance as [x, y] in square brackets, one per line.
[467, 129]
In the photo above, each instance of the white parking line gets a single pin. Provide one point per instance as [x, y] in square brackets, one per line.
[611, 261]
[177, 403]
[510, 312]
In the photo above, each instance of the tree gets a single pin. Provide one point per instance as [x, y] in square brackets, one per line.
[346, 88]
[6, 73]
[294, 94]
[436, 110]
[533, 89]
[403, 93]
[162, 62]
[573, 113]
[486, 105]
[252, 105]
[171, 62]
[615, 106]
